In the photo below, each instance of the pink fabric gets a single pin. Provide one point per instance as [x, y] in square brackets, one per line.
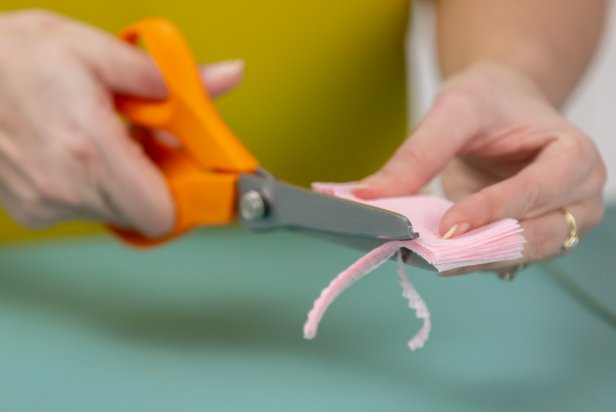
[498, 241]
[356, 271]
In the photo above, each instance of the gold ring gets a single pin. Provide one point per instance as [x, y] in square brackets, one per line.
[509, 275]
[572, 241]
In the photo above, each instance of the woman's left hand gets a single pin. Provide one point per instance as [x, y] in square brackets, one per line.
[504, 152]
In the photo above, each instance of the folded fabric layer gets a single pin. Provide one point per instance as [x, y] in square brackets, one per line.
[497, 241]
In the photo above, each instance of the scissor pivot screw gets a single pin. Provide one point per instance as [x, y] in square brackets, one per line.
[252, 206]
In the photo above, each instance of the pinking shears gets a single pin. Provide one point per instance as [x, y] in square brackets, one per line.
[215, 180]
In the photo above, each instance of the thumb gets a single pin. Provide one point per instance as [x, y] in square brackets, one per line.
[425, 153]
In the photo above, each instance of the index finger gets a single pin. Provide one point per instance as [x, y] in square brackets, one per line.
[563, 173]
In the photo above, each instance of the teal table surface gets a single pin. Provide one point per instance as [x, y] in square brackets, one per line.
[214, 322]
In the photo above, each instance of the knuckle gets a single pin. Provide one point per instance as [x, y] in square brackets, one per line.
[53, 191]
[538, 246]
[543, 240]
[582, 149]
[31, 221]
[406, 156]
[64, 183]
[412, 165]
[26, 220]
[454, 99]
[160, 219]
[536, 252]
[601, 173]
[569, 152]
[156, 226]
[56, 184]
[31, 213]
[156, 231]
[41, 19]
[460, 102]
[81, 150]
[577, 146]
[36, 31]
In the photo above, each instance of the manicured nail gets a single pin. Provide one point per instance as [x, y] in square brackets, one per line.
[361, 186]
[450, 232]
[456, 230]
[227, 67]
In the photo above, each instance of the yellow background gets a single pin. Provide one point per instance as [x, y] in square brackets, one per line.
[324, 92]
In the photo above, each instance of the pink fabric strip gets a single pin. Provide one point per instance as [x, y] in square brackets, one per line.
[356, 271]
[497, 241]
[353, 273]
[417, 304]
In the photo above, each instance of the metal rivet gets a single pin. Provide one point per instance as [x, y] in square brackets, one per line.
[252, 206]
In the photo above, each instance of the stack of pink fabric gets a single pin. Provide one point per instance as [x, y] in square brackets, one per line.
[497, 241]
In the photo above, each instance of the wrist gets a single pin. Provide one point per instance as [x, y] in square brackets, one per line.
[549, 84]
[500, 75]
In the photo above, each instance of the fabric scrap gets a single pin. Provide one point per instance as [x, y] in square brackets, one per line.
[497, 241]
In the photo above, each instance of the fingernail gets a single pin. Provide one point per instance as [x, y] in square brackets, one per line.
[456, 230]
[450, 232]
[227, 67]
[361, 186]
[365, 183]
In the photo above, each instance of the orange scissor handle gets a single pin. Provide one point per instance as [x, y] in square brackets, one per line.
[202, 174]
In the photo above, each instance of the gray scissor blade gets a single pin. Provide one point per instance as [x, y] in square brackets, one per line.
[287, 206]
[408, 256]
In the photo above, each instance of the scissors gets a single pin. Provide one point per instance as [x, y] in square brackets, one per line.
[215, 180]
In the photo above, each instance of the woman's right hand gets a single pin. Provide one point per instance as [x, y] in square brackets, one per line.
[64, 152]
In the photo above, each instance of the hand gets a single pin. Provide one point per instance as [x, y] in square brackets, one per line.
[64, 152]
[503, 151]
